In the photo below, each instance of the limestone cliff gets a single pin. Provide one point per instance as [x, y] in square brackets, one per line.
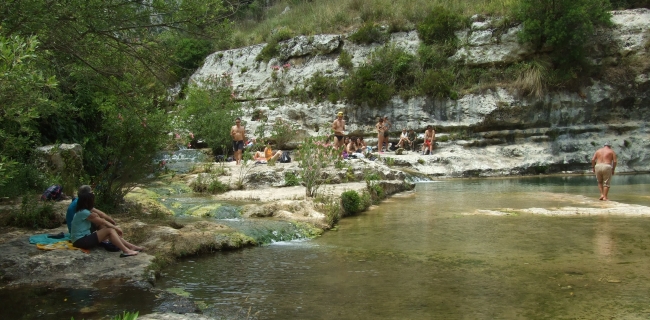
[493, 132]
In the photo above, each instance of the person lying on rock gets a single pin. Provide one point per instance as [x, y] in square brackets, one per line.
[83, 238]
[72, 209]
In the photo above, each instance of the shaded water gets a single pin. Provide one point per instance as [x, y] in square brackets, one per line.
[426, 255]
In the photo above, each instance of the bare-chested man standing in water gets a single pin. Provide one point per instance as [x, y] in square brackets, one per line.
[603, 165]
[238, 134]
[339, 129]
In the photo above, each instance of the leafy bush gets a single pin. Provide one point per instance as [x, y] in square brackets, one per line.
[390, 69]
[217, 186]
[272, 47]
[291, 179]
[212, 185]
[282, 132]
[562, 25]
[369, 33]
[34, 214]
[209, 111]
[351, 202]
[436, 82]
[322, 87]
[440, 25]
[314, 156]
[345, 60]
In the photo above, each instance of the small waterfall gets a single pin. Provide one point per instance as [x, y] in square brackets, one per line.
[183, 159]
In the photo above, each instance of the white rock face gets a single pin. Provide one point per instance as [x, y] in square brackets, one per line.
[536, 129]
[631, 30]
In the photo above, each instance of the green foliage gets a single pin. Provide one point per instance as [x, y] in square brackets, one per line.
[439, 25]
[19, 178]
[421, 161]
[314, 156]
[436, 82]
[211, 184]
[351, 202]
[318, 88]
[272, 47]
[390, 69]
[34, 214]
[125, 147]
[24, 88]
[291, 179]
[187, 53]
[209, 112]
[282, 132]
[127, 316]
[345, 60]
[369, 33]
[562, 25]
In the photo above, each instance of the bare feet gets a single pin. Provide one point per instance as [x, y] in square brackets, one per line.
[601, 197]
[605, 199]
[128, 253]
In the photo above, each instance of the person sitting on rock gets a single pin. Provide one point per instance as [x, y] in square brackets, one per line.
[83, 238]
[268, 152]
[72, 209]
[353, 149]
[404, 139]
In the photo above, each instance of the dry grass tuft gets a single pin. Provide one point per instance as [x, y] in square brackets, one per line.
[532, 79]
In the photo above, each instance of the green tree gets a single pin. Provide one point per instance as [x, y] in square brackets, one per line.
[209, 112]
[113, 59]
[24, 91]
[563, 26]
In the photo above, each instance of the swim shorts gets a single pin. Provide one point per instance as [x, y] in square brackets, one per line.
[427, 143]
[238, 145]
[87, 242]
[603, 173]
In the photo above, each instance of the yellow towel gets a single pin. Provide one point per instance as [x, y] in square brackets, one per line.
[62, 245]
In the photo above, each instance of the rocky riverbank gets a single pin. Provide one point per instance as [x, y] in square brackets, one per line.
[151, 222]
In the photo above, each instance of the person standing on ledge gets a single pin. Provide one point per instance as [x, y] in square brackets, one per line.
[603, 165]
[238, 134]
[339, 129]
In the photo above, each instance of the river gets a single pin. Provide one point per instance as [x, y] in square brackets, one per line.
[433, 253]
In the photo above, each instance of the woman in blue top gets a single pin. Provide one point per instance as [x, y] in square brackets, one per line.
[80, 228]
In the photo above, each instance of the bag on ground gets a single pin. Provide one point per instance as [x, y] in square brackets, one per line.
[54, 192]
[285, 158]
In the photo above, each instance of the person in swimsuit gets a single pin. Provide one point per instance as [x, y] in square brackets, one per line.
[603, 164]
[82, 237]
[380, 135]
[238, 134]
[268, 152]
[429, 140]
[339, 129]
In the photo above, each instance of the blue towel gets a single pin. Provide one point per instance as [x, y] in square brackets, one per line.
[43, 239]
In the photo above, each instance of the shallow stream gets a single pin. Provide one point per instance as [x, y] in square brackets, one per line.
[426, 255]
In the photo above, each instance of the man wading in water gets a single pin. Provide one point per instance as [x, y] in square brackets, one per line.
[603, 165]
[238, 134]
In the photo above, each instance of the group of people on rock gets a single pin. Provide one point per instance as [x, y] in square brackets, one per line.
[406, 139]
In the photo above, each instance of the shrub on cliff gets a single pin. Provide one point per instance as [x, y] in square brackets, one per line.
[389, 70]
[369, 33]
[273, 44]
[564, 26]
[440, 25]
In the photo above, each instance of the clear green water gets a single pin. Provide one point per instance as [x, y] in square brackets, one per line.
[421, 256]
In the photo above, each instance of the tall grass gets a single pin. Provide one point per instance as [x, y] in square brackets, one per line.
[341, 16]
